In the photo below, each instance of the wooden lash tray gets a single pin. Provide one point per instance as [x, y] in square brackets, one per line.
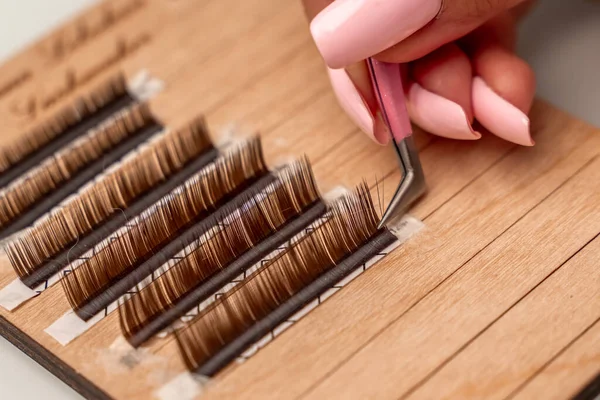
[498, 297]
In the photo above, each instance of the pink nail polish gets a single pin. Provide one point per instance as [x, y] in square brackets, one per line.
[499, 116]
[439, 115]
[348, 31]
[353, 104]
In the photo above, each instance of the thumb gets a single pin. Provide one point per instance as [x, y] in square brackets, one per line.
[347, 31]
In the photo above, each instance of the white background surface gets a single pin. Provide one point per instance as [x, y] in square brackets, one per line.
[561, 39]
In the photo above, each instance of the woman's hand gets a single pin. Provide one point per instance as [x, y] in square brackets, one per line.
[458, 56]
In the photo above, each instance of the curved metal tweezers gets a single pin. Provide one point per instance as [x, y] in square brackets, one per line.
[387, 83]
[412, 185]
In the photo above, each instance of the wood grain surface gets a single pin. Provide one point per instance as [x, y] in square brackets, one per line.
[499, 296]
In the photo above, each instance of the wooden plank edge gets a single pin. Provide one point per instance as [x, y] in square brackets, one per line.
[49, 361]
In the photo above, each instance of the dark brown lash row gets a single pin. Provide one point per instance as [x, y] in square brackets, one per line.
[66, 171]
[109, 203]
[168, 227]
[264, 223]
[283, 286]
[177, 198]
[67, 125]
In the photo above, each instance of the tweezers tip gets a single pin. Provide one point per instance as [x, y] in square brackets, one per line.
[383, 222]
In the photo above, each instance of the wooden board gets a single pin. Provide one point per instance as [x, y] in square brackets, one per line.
[497, 298]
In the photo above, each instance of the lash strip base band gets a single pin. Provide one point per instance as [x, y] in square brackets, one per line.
[252, 176]
[110, 294]
[78, 180]
[284, 284]
[227, 274]
[233, 349]
[117, 219]
[122, 100]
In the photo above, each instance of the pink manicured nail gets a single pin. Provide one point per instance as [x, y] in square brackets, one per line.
[499, 116]
[439, 115]
[356, 108]
[348, 31]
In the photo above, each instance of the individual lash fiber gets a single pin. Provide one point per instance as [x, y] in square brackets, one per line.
[258, 219]
[352, 223]
[51, 174]
[193, 201]
[115, 192]
[83, 107]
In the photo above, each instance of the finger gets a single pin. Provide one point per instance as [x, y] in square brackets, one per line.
[507, 74]
[348, 31]
[457, 18]
[494, 60]
[438, 115]
[439, 99]
[504, 88]
[354, 90]
[361, 80]
[359, 105]
[446, 72]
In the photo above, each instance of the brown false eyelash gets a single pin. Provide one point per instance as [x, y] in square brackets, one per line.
[259, 227]
[51, 174]
[65, 126]
[124, 262]
[66, 229]
[75, 181]
[352, 223]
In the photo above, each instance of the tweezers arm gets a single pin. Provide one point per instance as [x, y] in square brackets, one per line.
[412, 186]
[387, 84]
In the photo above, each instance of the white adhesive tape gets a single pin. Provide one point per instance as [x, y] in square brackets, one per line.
[184, 386]
[336, 193]
[283, 161]
[228, 136]
[144, 86]
[14, 294]
[121, 347]
[125, 353]
[68, 327]
[407, 227]
[120, 358]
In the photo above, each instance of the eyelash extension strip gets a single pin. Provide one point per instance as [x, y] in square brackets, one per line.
[164, 230]
[64, 127]
[260, 227]
[61, 175]
[107, 205]
[348, 239]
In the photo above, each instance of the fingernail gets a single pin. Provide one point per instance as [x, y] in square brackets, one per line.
[499, 116]
[439, 115]
[348, 31]
[353, 104]
[381, 134]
